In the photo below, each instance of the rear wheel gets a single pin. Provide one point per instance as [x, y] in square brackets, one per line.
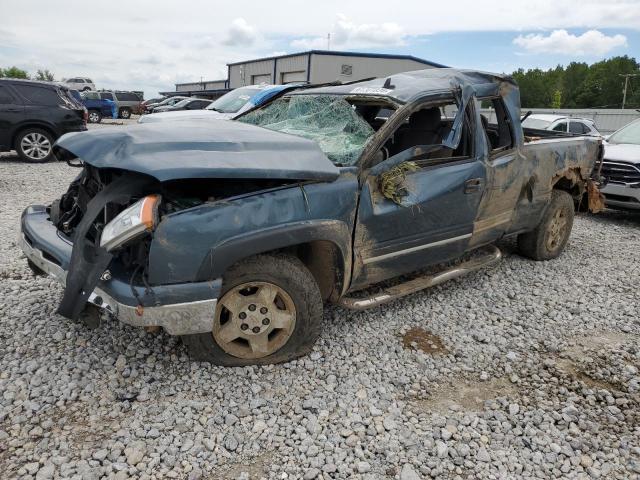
[270, 312]
[550, 237]
[35, 145]
[95, 116]
[125, 113]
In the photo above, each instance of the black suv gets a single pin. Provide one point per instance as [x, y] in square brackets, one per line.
[34, 114]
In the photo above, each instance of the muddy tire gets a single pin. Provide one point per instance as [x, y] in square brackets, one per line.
[550, 237]
[270, 311]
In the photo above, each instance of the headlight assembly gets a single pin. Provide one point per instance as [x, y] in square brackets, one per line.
[133, 222]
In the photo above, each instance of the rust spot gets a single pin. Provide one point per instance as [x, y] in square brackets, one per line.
[421, 339]
[595, 198]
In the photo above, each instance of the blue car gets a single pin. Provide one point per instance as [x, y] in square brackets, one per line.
[98, 107]
[228, 106]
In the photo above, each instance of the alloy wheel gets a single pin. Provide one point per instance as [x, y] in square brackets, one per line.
[254, 320]
[35, 146]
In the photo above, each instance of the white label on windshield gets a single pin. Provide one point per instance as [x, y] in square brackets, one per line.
[371, 90]
[244, 97]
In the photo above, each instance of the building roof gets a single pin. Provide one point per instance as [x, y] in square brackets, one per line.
[201, 82]
[344, 54]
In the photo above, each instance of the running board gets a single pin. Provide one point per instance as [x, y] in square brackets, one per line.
[421, 283]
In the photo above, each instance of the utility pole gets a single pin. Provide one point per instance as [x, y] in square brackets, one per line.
[626, 84]
[328, 41]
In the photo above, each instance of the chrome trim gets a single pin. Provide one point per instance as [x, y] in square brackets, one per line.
[415, 249]
[177, 319]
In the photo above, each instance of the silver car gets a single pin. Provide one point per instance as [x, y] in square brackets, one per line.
[621, 168]
[80, 83]
[561, 123]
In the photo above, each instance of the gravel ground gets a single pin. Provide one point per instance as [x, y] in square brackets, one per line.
[525, 370]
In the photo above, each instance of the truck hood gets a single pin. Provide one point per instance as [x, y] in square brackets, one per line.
[183, 115]
[624, 152]
[200, 148]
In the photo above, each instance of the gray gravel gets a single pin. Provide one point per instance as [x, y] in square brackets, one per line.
[526, 370]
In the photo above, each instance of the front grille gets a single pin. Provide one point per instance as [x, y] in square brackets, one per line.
[616, 171]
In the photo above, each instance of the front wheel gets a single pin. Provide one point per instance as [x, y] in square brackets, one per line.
[550, 237]
[125, 113]
[270, 311]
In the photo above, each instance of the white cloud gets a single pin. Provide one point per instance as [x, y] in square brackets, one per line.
[347, 34]
[240, 34]
[561, 42]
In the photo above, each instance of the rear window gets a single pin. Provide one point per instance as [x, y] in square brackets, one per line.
[127, 97]
[38, 95]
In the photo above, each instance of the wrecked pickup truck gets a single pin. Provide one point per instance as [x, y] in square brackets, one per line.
[234, 234]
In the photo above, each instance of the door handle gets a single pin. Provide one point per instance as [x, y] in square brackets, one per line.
[473, 185]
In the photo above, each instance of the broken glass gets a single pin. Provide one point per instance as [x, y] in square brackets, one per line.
[329, 120]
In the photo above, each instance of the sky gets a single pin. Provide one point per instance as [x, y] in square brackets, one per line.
[151, 45]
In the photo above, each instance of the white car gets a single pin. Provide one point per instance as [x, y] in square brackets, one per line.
[561, 123]
[621, 168]
[228, 106]
[79, 83]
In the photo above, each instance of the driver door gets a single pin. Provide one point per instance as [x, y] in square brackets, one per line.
[433, 223]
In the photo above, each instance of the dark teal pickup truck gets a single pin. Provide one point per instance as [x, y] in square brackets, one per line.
[233, 234]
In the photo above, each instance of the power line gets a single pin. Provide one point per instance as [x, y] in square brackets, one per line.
[626, 83]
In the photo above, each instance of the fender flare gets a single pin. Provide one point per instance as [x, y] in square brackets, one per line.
[234, 249]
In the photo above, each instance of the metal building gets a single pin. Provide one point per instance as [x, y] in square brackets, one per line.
[313, 66]
[320, 66]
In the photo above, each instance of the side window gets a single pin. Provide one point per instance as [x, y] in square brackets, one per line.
[499, 135]
[106, 95]
[39, 95]
[430, 126]
[578, 127]
[5, 96]
[560, 127]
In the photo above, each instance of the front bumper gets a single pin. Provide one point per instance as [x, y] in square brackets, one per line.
[181, 309]
[618, 195]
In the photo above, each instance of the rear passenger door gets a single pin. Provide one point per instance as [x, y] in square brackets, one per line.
[11, 114]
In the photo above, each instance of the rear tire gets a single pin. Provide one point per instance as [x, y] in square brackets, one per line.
[125, 113]
[549, 239]
[94, 116]
[288, 328]
[34, 145]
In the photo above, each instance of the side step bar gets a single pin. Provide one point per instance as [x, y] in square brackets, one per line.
[421, 283]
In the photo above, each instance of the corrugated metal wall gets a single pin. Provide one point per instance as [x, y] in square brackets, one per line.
[241, 74]
[207, 85]
[328, 68]
[290, 65]
[607, 120]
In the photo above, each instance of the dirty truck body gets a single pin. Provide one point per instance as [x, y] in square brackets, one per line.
[241, 230]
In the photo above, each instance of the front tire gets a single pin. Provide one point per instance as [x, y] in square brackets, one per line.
[549, 239]
[34, 145]
[125, 113]
[270, 311]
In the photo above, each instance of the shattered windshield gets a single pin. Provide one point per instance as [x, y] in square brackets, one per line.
[329, 120]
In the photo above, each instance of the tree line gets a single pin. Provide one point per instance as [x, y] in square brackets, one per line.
[15, 72]
[579, 85]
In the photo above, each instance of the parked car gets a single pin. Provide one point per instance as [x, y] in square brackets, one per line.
[621, 168]
[230, 105]
[127, 102]
[98, 107]
[144, 106]
[167, 101]
[191, 103]
[34, 114]
[79, 83]
[561, 123]
[233, 234]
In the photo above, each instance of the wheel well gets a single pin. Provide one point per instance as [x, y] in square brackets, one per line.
[14, 143]
[570, 182]
[324, 261]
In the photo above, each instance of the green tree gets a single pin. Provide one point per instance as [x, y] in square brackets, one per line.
[13, 72]
[45, 75]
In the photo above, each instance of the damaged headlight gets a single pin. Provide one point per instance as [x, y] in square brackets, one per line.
[134, 221]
